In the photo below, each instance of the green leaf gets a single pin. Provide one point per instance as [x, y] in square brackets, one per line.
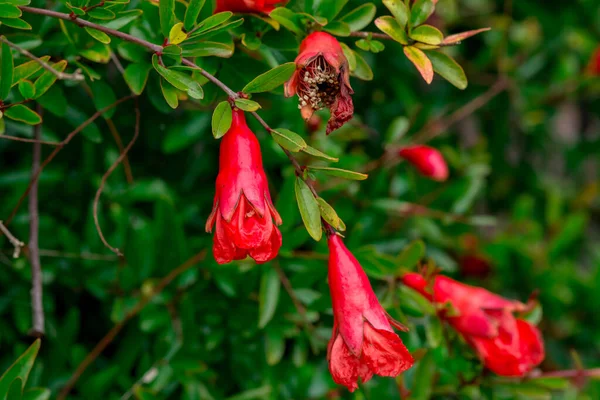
[27, 69]
[192, 12]
[390, 27]
[316, 153]
[136, 76]
[459, 37]
[289, 140]
[271, 79]
[23, 113]
[448, 69]
[414, 303]
[98, 35]
[427, 34]
[341, 173]
[350, 56]
[330, 216]
[411, 254]
[221, 119]
[6, 70]
[420, 11]
[20, 368]
[9, 11]
[424, 372]
[247, 105]
[103, 96]
[399, 10]
[206, 49]
[101, 13]
[212, 22]
[329, 9]
[37, 394]
[176, 34]
[99, 53]
[15, 391]
[16, 23]
[27, 89]
[123, 18]
[268, 295]
[338, 28]
[360, 17]
[178, 79]
[309, 209]
[289, 19]
[169, 93]
[363, 70]
[173, 51]
[166, 12]
[274, 346]
[420, 61]
[205, 33]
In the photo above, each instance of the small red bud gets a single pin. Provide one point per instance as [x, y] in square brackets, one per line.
[427, 160]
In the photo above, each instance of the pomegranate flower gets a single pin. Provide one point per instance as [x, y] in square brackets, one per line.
[427, 160]
[363, 341]
[242, 209]
[322, 79]
[248, 6]
[507, 345]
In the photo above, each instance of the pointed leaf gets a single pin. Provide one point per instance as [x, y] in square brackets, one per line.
[316, 153]
[268, 296]
[271, 79]
[6, 70]
[459, 37]
[247, 105]
[169, 93]
[192, 12]
[363, 70]
[15, 391]
[37, 394]
[178, 79]
[329, 9]
[338, 28]
[341, 173]
[390, 26]
[360, 17]
[221, 119]
[9, 11]
[330, 216]
[16, 23]
[411, 254]
[420, 60]
[399, 10]
[47, 79]
[166, 12]
[309, 209]
[27, 69]
[27, 89]
[98, 35]
[101, 13]
[448, 69]
[20, 368]
[176, 34]
[289, 140]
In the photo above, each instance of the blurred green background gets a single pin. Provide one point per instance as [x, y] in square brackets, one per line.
[519, 213]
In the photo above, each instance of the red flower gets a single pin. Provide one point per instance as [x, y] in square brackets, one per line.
[363, 341]
[507, 345]
[322, 79]
[594, 64]
[242, 209]
[427, 160]
[248, 6]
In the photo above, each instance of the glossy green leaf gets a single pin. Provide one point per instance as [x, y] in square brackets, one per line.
[101, 13]
[166, 12]
[27, 89]
[363, 70]
[350, 56]
[6, 70]
[411, 254]
[427, 34]
[169, 93]
[274, 346]
[15, 391]
[330, 215]
[9, 11]
[329, 9]
[99, 53]
[247, 105]
[420, 61]
[25, 70]
[338, 28]
[316, 153]
[37, 394]
[207, 49]
[309, 209]
[271, 79]
[448, 69]
[424, 372]
[360, 17]
[421, 10]
[212, 22]
[268, 296]
[399, 10]
[23, 113]
[16, 23]
[288, 19]
[178, 79]
[390, 27]
[191, 13]
[20, 368]
[341, 173]
[289, 140]
[136, 76]
[221, 119]
[122, 19]
[98, 35]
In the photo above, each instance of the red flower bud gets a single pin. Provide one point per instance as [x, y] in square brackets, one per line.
[363, 341]
[322, 79]
[427, 160]
[248, 6]
[242, 209]
[594, 64]
[507, 345]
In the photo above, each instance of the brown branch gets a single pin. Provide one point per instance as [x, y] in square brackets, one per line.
[58, 148]
[115, 134]
[110, 336]
[76, 76]
[107, 175]
[37, 306]
[17, 244]
[25, 140]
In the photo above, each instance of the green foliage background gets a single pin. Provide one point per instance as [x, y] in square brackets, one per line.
[524, 180]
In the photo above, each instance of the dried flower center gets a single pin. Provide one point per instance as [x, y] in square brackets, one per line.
[319, 84]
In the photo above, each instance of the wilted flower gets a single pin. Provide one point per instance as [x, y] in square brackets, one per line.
[427, 160]
[363, 341]
[248, 6]
[322, 80]
[243, 210]
[507, 345]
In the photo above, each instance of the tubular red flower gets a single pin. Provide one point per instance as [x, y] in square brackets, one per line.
[507, 345]
[427, 160]
[243, 210]
[322, 79]
[363, 341]
[248, 6]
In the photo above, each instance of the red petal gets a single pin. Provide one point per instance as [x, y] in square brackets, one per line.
[384, 353]
[342, 109]
[269, 250]
[532, 343]
[223, 248]
[343, 365]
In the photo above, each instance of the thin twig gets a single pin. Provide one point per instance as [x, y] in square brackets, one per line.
[75, 76]
[37, 306]
[17, 244]
[117, 62]
[107, 175]
[58, 148]
[25, 140]
[109, 337]
[115, 134]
